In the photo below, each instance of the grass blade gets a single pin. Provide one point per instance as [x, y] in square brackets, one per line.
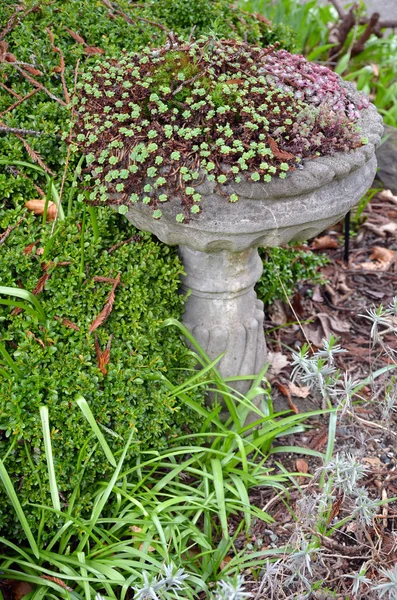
[50, 461]
[220, 495]
[18, 508]
[25, 295]
[85, 409]
[9, 360]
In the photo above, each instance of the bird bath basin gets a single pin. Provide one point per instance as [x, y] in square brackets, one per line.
[218, 247]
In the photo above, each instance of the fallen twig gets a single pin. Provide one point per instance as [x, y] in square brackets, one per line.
[18, 15]
[61, 68]
[10, 91]
[5, 129]
[34, 155]
[10, 108]
[39, 85]
[6, 233]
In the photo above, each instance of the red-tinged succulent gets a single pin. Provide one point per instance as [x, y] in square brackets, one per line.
[153, 125]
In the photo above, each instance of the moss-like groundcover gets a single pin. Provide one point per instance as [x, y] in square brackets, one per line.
[62, 358]
[153, 124]
[59, 361]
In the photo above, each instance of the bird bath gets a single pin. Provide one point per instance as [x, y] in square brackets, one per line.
[219, 246]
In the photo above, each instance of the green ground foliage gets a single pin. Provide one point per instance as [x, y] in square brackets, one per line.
[57, 361]
[284, 268]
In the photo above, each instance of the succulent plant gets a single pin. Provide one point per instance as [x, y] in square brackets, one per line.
[154, 125]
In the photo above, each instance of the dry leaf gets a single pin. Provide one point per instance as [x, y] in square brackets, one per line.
[30, 247]
[382, 259]
[31, 334]
[317, 296]
[387, 195]
[324, 242]
[41, 284]
[277, 361]
[149, 548]
[39, 288]
[67, 323]
[299, 392]
[263, 19]
[101, 279]
[382, 254]
[37, 208]
[319, 439]
[103, 357]
[280, 154]
[60, 582]
[285, 391]
[314, 333]
[381, 230]
[375, 69]
[91, 50]
[20, 589]
[76, 36]
[277, 313]
[336, 506]
[32, 70]
[374, 461]
[332, 324]
[135, 528]
[225, 562]
[105, 312]
[301, 465]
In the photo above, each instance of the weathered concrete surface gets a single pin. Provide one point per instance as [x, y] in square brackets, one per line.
[387, 159]
[218, 246]
[223, 312]
[386, 8]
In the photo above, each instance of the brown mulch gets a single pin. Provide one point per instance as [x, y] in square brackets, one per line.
[368, 279]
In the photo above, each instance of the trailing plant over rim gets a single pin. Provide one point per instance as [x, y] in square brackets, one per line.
[153, 125]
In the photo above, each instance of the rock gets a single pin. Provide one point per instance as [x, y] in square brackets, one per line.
[387, 159]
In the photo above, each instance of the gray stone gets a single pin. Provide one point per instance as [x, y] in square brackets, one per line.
[223, 312]
[218, 246]
[386, 155]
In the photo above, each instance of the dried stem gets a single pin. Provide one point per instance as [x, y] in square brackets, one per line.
[10, 91]
[61, 68]
[19, 102]
[18, 15]
[39, 85]
[16, 130]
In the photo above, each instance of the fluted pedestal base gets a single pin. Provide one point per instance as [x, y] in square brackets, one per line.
[222, 310]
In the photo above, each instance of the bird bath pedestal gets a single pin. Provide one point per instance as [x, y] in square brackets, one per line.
[218, 247]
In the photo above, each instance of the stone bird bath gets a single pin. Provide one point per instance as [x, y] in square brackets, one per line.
[218, 247]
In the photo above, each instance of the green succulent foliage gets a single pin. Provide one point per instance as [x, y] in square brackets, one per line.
[284, 268]
[57, 362]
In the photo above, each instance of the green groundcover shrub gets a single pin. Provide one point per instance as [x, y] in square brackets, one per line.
[58, 361]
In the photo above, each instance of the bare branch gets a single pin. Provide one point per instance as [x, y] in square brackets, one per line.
[372, 25]
[339, 8]
[19, 101]
[5, 129]
[10, 91]
[17, 16]
[61, 68]
[39, 86]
